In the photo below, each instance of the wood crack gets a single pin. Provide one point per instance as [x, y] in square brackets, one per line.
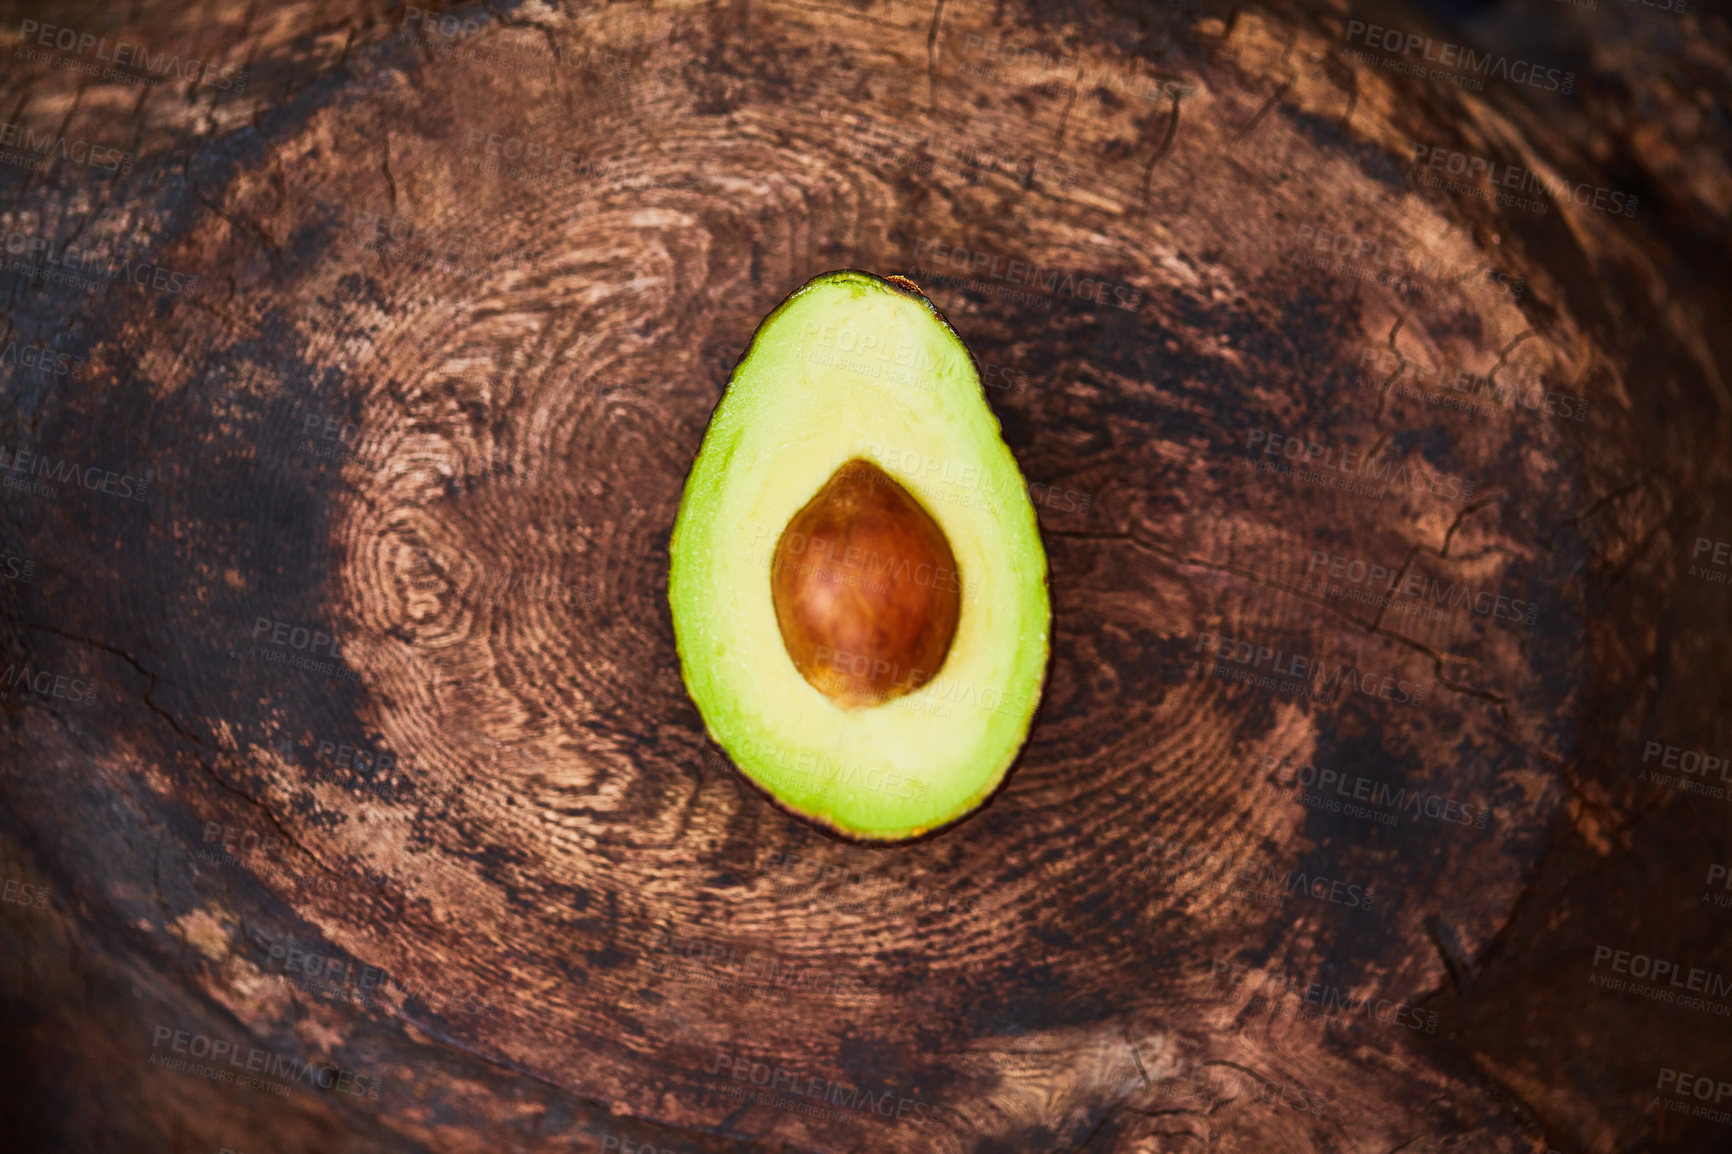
[1064, 117]
[932, 56]
[385, 168]
[1160, 151]
[1383, 391]
[238, 223]
[174, 724]
[1257, 118]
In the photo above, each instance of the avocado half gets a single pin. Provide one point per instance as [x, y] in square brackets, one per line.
[857, 581]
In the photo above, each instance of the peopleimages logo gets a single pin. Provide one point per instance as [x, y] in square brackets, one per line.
[37, 468]
[518, 157]
[24, 894]
[457, 38]
[38, 149]
[1690, 761]
[1682, 1086]
[890, 894]
[46, 684]
[1329, 1001]
[1473, 389]
[1092, 81]
[251, 1059]
[1383, 586]
[40, 359]
[1049, 281]
[1404, 267]
[1255, 879]
[1458, 56]
[1392, 800]
[1317, 459]
[884, 1102]
[1695, 980]
[753, 970]
[124, 55]
[1329, 679]
[58, 263]
[1519, 180]
[826, 778]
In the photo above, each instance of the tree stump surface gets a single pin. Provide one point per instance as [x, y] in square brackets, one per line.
[384, 680]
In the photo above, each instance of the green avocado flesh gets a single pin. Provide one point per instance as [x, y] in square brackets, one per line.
[854, 368]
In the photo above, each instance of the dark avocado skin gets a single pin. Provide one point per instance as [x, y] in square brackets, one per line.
[908, 288]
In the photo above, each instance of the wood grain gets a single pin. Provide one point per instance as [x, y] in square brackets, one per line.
[465, 304]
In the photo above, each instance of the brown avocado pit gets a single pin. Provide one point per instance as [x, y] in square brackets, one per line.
[865, 589]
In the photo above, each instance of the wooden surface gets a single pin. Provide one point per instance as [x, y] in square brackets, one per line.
[442, 412]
